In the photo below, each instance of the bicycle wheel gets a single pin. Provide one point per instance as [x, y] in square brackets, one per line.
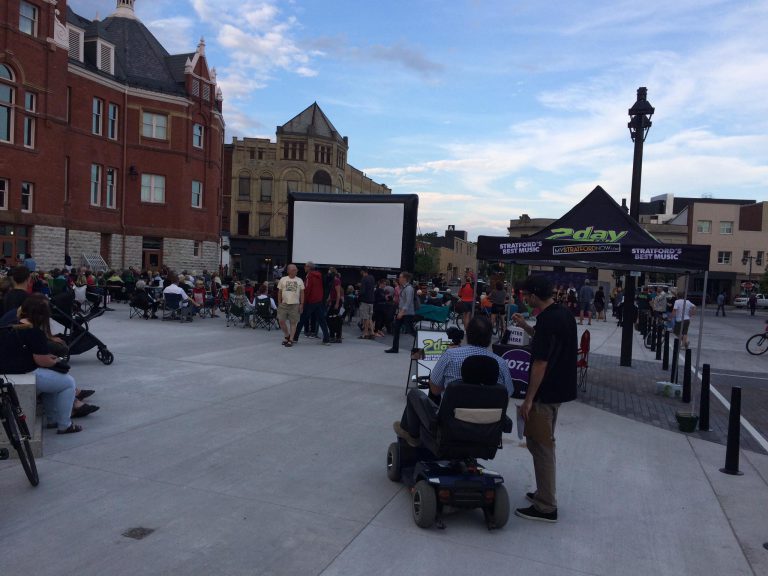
[648, 340]
[20, 443]
[758, 344]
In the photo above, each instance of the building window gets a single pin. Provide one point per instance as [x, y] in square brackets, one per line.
[726, 227]
[197, 135]
[759, 259]
[244, 187]
[206, 91]
[111, 188]
[251, 154]
[106, 56]
[264, 222]
[7, 95]
[340, 159]
[243, 221]
[30, 106]
[95, 185]
[195, 87]
[196, 249]
[197, 194]
[321, 182]
[154, 125]
[293, 186]
[322, 154]
[76, 44]
[723, 257]
[153, 188]
[98, 111]
[27, 189]
[266, 188]
[3, 194]
[704, 226]
[114, 114]
[28, 18]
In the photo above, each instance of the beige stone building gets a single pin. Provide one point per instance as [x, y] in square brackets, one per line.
[308, 155]
[453, 253]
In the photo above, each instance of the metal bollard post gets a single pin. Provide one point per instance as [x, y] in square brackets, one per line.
[659, 332]
[652, 328]
[704, 400]
[687, 377]
[734, 438]
[665, 362]
[675, 354]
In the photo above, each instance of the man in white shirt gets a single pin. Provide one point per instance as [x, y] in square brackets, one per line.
[290, 302]
[188, 307]
[683, 310]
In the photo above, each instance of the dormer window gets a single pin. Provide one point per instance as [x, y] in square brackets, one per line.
[101, 54]
[76, 37]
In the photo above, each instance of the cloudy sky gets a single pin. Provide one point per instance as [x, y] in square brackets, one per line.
[492, 109]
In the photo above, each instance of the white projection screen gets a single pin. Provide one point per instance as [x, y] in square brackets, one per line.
[377, 231]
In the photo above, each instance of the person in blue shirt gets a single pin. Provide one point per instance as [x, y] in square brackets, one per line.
[420, 408]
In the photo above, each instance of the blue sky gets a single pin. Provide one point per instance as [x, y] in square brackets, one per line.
[492, 109]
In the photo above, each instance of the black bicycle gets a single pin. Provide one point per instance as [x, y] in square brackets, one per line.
[16, 429]
[758, 344]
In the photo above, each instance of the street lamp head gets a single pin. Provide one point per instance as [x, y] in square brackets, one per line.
[640, 115]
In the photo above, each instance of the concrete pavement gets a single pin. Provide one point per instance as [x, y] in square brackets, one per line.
[244, 457]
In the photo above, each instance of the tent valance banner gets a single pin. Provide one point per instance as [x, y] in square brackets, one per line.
[596, 233]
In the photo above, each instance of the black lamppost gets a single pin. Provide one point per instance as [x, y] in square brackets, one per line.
[639, 124]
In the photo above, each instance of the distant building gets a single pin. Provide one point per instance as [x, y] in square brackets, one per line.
[454, 253]
[308, 155]
[110, 147]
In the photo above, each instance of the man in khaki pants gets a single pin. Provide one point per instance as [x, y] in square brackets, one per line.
[552, 381]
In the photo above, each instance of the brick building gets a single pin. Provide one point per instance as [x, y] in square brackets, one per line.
[110, 147]
[308, 155]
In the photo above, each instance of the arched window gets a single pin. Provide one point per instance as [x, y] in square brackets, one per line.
[266, 188]
[321, 182]
[7, 99]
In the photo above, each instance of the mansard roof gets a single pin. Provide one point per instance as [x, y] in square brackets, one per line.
[312, 122]
[140, 59]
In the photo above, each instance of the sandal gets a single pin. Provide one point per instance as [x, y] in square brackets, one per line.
[73, 428]
[288, 344]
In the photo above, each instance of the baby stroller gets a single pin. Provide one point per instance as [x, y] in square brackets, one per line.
[76, 334]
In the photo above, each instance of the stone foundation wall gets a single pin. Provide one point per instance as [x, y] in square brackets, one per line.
[132, 252]
[82, 242]
[48, 247]
[178, 255]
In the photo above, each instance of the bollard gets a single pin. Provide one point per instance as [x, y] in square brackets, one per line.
[675, 354]
[652, 328]
[734, 430]
[659, 332]
[665, 362]
[687, 377]
[704, 400]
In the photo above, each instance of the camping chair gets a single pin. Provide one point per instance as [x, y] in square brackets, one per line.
[263, 315]
[139, 305]
[234, 314]
[172, 307]
[582, 363]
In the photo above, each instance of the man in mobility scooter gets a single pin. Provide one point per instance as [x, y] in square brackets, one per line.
[440, 436]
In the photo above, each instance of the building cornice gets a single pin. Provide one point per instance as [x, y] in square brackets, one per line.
[138, 92]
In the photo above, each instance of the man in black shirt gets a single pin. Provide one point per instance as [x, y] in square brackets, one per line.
[16, 296]
[552, 381]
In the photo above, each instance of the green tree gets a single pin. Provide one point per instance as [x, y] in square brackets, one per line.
[425, 263]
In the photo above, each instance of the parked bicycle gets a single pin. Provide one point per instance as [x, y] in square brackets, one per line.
[15, 425]
[758, 344]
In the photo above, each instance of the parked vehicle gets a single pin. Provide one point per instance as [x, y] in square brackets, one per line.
[742, 301]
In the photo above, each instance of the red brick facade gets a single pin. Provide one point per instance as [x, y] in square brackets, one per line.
[88, 165]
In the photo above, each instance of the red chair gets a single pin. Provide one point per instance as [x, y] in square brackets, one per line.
[582, 363]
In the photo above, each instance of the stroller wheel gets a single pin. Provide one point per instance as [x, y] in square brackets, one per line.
[105, 356]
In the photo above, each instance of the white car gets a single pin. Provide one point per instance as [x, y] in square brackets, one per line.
[743, 301]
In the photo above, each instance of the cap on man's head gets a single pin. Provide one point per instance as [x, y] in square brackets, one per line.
[539, 286]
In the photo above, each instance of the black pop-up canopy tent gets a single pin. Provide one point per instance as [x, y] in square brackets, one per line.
[596, 233]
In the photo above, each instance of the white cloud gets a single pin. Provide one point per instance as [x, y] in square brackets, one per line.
[176, 33]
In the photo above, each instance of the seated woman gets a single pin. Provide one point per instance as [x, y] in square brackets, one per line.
[144, 299]
[262, 295]
[199, 295]
[25, 349]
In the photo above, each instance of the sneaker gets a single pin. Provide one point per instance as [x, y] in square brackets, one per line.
[405, 435]
[531, 513]
[325, 342]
